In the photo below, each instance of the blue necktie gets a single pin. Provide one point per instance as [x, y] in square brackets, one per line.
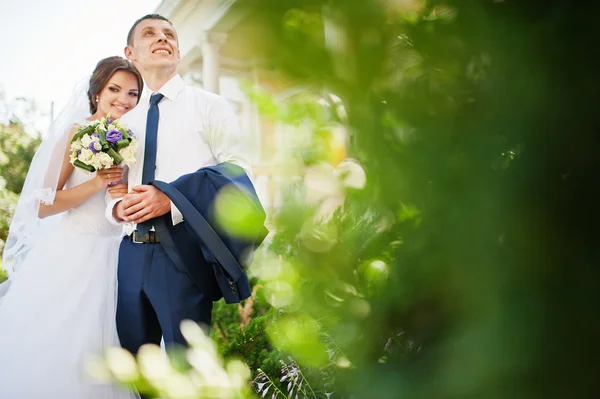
[150, 150]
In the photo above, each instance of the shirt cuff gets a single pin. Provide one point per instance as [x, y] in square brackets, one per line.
[109, 212]
[176, 215]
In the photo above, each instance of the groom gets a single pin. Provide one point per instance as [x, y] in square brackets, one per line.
[181, 129]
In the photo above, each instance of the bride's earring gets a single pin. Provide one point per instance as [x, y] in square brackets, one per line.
[97, 99]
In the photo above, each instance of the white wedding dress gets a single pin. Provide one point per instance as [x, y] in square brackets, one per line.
[59, 310]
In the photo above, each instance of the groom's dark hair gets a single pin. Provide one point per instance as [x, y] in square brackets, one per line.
[136, 23]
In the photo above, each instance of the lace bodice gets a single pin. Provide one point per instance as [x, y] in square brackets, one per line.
[89, 216]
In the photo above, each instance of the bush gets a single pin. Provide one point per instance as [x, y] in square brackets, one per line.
[464, 263]
[240, 332]
[17, 149]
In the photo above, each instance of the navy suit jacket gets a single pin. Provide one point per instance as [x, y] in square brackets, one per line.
[214, 259]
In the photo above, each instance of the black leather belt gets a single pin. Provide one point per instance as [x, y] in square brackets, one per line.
[148, 238]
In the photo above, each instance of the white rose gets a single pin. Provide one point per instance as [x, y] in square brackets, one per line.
[128, 155]
[76, 145]
[86, 156]
[73, 156]
[86, 140]
[133, 144]
[105, 160]
[95, 162]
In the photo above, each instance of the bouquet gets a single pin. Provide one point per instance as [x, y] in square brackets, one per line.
[102, 143]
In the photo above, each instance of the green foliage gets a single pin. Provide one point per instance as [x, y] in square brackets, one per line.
[8, 203]
[439, 277]
[293, 381]
[16, 152]
[17, 149]
[240, 332]
[3, 276]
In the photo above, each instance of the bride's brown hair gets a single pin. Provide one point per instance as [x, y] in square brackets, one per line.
[104, 70]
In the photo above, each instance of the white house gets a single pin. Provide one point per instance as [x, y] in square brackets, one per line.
[213, 58]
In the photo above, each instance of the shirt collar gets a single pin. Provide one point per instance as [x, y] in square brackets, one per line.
[170, 90]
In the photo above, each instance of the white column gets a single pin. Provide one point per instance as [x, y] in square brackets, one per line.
[211, 45]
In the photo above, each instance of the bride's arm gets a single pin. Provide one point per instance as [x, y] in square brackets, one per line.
[72, 197]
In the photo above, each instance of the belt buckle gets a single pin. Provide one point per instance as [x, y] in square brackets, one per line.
[148, 238]
[135, 235]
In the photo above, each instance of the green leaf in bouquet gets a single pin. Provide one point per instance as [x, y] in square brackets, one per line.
[103, 141]
[125, 135]
[122, 143]
[86, 130]
[83, 166]
[117, 158]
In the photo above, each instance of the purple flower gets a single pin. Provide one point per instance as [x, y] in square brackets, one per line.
[113, 136]
[110, 121]
[93, 146]
[130, 133]
[95, 135]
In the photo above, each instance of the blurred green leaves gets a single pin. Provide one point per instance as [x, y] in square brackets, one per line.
[16, 152]
[17, 149]
[237, 214]
[300, 335]
[406, 273]
[204, 373]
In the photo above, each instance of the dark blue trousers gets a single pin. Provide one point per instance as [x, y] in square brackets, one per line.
[154, 296]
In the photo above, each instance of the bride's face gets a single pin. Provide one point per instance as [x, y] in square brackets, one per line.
[119, 95]
[155, 45]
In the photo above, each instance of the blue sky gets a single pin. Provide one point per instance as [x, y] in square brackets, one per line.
[52, 44]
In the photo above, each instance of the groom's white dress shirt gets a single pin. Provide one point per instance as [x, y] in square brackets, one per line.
[196, 128]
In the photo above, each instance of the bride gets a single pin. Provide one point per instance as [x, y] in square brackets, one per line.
[58, 309]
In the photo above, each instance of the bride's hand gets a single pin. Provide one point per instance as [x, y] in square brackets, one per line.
[106, 176]
[118, 190]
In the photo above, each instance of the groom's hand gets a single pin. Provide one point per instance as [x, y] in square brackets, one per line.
[118, 210]
[145, 202]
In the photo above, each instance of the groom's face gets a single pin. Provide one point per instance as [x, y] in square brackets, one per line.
[154, 45]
